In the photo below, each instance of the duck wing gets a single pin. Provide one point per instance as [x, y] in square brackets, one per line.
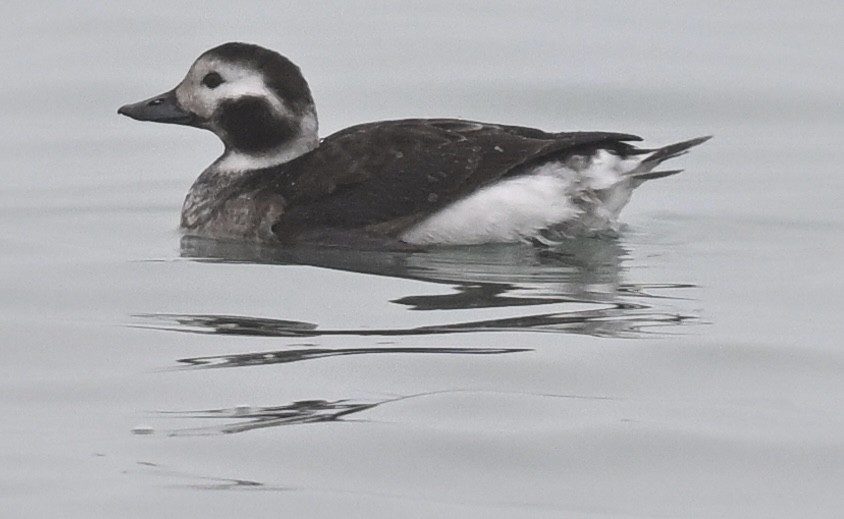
[384, 177]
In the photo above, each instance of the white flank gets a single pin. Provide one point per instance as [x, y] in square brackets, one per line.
[588, 190]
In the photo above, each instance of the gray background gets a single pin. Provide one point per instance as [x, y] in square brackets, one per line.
[736, 412]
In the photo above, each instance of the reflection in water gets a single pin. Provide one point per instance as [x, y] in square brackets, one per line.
[244, 418]
[575, 269]
[198, 482]
[617, 320]
[296, 355]
[576, 288]
[577, 285]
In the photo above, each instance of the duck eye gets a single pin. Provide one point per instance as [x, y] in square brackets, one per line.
[212, 80]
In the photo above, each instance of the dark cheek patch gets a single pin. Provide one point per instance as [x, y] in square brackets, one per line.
[250, 125]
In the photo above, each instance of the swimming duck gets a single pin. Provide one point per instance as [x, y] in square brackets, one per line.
[411, 181]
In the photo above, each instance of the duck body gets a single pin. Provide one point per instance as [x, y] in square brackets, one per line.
[412, 181]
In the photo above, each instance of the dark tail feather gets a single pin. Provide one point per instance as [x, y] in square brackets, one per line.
[644, 170]
[650, 175]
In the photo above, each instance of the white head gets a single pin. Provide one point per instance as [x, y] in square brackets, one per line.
[255, 100]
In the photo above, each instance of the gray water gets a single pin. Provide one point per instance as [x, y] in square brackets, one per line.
[691, 368]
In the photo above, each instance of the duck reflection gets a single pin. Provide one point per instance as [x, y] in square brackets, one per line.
[485, 275]
[300, 354]
[574, 288]
[244, 418]
[577, 288]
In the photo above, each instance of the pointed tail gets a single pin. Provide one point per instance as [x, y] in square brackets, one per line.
[644, 171]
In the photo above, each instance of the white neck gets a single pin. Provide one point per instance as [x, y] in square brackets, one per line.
[234, 161]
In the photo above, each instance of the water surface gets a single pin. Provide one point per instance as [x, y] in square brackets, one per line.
[690, 368]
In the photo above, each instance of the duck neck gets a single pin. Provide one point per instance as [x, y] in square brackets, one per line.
[293, 142]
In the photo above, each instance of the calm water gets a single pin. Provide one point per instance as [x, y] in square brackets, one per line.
[692, 368]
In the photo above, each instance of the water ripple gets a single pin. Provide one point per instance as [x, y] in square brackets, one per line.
[578, 288]
[244, 418]
[301, 354]
[618, 320]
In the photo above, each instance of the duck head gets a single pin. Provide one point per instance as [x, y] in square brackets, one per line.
[255, 100]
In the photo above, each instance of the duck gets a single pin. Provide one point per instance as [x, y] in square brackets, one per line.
[417, 182]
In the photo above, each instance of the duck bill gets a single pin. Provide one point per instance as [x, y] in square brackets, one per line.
[163, 108]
